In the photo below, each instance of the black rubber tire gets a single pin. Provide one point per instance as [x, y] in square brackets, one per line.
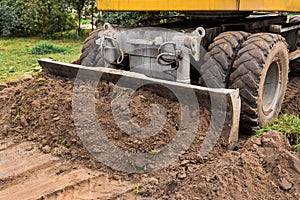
[261, 74]
[89, 50]
[295, 64]
[219, 59]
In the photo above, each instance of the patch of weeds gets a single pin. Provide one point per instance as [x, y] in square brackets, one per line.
[248, 165]
[54, 151]
[66, 144]
[137, 189]
[22, 111]
[296, 147]
[153, 153]
[59, 150]
[287, 124]
[177, 126]
[40, 80]
[19, 115]
[33, 70]
[43, 48]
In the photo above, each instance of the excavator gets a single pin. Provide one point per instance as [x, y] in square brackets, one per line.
[235, 51]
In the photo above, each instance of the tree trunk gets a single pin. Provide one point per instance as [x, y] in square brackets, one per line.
[79, 22]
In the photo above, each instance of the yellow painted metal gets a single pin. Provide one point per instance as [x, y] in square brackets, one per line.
[175, 5]
[199, 5]
[270, 5]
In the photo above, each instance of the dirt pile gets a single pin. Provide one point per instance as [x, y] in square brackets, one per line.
[263, 168]
[40, 110]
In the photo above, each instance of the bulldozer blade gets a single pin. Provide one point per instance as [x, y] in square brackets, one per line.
[224, 104]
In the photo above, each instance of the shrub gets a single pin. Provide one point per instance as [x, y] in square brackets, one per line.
[8, 19]
[44, 48]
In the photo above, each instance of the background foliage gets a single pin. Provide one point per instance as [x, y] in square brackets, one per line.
[41, 17]
[52, 18]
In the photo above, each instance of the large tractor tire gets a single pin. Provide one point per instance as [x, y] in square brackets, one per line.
[261, 74]
[89, 50]
[219, 59]
[295, 64]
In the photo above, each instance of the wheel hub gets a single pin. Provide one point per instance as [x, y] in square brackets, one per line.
[271, 91]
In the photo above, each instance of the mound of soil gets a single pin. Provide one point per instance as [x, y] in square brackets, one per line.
[40, 110]
[262, 168]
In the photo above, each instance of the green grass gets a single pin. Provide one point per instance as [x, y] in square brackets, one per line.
[17, 58]
[289, 125]
[43, 48]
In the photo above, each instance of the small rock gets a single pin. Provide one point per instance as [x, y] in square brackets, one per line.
[23, 120]
[46, 149]
[201, 159]
[257, 141]
[29, 148]
[153, 181]
[239, 188]
[181, 175]
[179, 197]
[53, 134]
[55, 107]
[73, 140]
[31, 138]
[2, 86]
[184, 162]
[276, 140]
[135, 141]
[27, 77]
[285, 184]
[56, 119]
[151, 167]
[4, 130]
[44, 142]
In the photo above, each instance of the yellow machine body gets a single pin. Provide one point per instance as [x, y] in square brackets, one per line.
[199, 5]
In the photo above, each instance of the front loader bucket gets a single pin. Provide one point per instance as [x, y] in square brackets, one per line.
[224, 104]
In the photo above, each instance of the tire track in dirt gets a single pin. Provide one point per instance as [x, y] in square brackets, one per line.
[292, 96]
[27, 173]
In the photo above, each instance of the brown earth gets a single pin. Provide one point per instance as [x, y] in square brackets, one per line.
[43, 157]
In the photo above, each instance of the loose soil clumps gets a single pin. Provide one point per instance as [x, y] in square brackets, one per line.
[40, 110]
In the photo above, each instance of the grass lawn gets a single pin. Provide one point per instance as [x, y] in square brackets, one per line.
[16, 58]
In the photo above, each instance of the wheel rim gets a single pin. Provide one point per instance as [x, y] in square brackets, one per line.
[271, 91]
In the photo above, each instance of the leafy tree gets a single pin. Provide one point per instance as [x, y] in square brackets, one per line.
[78, 5]
[121, 18]
[91, 11]
[43, 16]
[137, 18]
[8, 18]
